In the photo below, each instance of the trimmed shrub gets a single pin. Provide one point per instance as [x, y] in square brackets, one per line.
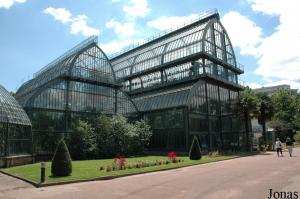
[61, 162]
[195, 151]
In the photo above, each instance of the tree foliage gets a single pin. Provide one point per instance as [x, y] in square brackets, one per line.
[143, 134]
[283, 103]
[265, 111]
[195, 151]
[61, 162]
[287, 109]
[82, 143]
[104, 137]
[246, 105]
[282, 109]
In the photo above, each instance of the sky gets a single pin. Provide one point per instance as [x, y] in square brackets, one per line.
[265, 33]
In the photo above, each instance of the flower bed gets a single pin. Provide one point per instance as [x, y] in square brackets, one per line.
[120, 163]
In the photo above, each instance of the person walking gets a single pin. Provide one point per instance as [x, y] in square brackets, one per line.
[289, 145]
[278, 147]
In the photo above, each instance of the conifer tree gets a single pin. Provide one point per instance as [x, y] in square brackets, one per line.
[195, 151]
[61, 162]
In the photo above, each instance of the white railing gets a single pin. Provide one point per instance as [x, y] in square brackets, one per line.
[240, 66]
[241, 83]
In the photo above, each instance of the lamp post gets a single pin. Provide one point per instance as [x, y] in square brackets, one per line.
[43, 171]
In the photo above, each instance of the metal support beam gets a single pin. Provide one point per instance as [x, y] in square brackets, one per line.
[6, 146]
[220, 116]
[207, 117]
[186, 128]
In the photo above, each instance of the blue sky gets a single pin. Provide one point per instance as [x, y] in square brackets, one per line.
[264, 33]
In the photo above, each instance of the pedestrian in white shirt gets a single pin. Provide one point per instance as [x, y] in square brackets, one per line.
[278, 147]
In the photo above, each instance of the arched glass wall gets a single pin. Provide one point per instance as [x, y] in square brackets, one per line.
[15, 127]
[188, 76]
[198, 50]
[77, 84]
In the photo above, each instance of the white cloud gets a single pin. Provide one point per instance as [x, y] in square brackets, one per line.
[8, 3]
[118, 45]
[270, 7]
[279, 52]
[78, 24]
[122, 30]
[254, 85]
[244, 33]
[166, 23]
[59, 14]
[138, 8]
[126, 33]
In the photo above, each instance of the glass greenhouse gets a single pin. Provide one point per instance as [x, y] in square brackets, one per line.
[184, 82]
[15, 128]
[80, 82]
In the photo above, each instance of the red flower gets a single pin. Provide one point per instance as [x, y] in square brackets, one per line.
[122, 161]
[172, 156]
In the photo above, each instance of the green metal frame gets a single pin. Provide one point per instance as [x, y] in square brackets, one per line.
[15, 133]
[166, 73]
[81, 82]
[190, 71]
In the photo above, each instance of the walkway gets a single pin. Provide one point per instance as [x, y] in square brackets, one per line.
[249, 177]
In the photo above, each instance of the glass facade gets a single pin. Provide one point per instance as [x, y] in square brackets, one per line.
[204, 45]
[184, 83]
[15, 127]
[167, 134]
[192, 70]
[218, 127]
[79, 83]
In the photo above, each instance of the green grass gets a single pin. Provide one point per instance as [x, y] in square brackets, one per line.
[89, 169]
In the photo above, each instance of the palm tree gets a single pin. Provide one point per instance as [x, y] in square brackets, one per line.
[246, 105]
[265, 111]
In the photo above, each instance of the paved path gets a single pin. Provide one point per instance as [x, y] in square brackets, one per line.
[248, 177]
[9, 184]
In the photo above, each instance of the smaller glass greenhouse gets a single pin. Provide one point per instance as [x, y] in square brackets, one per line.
[15, 130]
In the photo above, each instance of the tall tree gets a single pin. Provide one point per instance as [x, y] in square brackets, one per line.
[246, 105]
[142, 135]
[296, 104]
[82, 142]
[265, 111]
[284, 106]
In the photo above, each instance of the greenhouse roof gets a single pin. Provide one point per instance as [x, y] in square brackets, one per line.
[10, 109]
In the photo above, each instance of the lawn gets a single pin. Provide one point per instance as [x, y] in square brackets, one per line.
[89, 169]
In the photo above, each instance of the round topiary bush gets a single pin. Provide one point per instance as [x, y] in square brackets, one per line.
[61, 162]
[195, 151]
